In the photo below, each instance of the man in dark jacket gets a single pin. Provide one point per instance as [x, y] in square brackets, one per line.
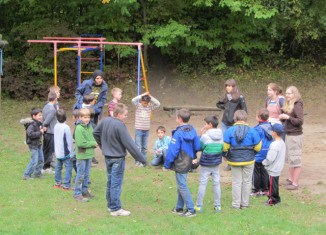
[114, 139]
[96, 86]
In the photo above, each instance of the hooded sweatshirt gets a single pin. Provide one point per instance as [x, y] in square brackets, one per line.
[182, 149]
[211, 145]
[86, 88]
[293, 125]
[84, 141]
[264, 130]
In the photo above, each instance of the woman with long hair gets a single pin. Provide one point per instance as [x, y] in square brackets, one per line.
[292, 118]
[233, 100]
[274, 102]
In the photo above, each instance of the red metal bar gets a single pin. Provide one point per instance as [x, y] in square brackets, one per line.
[74, 38]
[83, 42]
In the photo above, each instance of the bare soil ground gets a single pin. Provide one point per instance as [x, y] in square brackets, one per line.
[205, 93]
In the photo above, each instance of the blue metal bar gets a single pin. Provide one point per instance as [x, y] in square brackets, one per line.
[78, 71]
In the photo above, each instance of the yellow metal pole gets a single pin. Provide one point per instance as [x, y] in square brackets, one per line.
[55, 64]
[144, 70]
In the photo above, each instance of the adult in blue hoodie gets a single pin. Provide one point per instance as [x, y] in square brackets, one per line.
[260, 175]
[96, 86]
[181, 152]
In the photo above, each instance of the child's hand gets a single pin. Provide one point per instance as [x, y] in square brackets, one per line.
[194, 161]
[44, 129]
[284, 116]
[158, 151]
[203, 130]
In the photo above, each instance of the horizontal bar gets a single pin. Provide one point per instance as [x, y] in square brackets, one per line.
[86, 72]
[90, 58]
[81, 42]
[74, 38]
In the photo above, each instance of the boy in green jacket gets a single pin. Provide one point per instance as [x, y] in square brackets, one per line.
[85, 151]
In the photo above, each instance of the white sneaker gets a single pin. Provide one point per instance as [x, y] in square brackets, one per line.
[48, 171]
[120, 212]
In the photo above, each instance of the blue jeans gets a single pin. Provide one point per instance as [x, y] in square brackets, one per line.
[58, 168]
[115, 168]
[36, 163]
[224, 128]
[158, 159]
[141, 139]
[184, 195]
[82, 177]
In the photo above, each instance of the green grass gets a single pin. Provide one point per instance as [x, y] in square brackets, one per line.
[35, 207]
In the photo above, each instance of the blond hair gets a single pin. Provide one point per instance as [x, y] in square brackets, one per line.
[289, 104]
[54, 88]
[84, 112]
[115, 90]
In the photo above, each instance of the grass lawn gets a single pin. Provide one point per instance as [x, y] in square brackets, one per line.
[35, 207]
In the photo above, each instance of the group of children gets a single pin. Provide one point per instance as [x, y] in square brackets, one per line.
[177, 153]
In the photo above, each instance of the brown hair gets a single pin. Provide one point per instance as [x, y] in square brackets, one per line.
[240, 115]
[184, 114]
[275, 88]
[160, 128]
[87, 99]
[263, 114]
[52, 96]
[235, 93]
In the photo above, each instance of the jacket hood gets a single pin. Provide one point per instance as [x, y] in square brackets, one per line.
[267, 130]
[188, 132]
[26, 121]
[97, 73]
[215, 134]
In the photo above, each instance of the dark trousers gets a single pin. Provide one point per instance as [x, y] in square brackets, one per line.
[48, 149]
[260, 178]
[273, 192]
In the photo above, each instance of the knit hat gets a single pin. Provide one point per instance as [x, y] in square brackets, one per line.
[96, 73]
[278, 128]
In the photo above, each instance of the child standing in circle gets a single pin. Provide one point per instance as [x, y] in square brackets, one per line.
[233, 101]
[274, 102]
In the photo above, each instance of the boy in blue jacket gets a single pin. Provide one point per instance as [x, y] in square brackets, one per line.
[260, 175]
[181, 152]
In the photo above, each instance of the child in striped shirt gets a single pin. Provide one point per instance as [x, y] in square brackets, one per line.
[144, 103]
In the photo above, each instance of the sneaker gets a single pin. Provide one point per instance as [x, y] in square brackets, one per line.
[57, 185]
[255, 194]
[87, 194]
[40, 176]
[66, 188]
[120, 212]
[292, 187]
[218, 209]
[80, 198]
[27, 177]
[177, 211]
[48, 171]
[243, 207]
[188, 214]
[94, 161]
[287, 182]
[264, 193]
[198, 209]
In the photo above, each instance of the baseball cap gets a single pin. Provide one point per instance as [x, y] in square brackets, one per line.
[278, 128]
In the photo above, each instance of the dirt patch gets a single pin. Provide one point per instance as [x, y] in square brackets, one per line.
[206, 93]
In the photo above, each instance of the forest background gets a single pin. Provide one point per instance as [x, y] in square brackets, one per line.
[207, 37]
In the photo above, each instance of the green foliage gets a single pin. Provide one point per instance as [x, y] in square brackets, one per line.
[197, 33]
